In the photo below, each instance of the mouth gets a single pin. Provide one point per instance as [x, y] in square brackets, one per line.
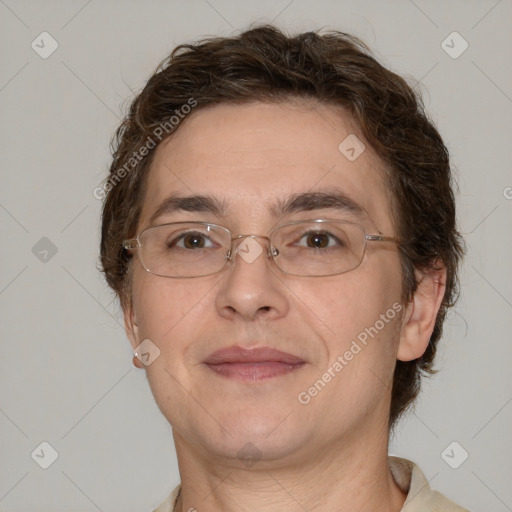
[252, 365]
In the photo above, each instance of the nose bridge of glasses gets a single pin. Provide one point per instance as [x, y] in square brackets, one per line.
[251, 246]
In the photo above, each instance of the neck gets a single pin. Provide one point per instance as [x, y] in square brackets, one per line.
[341, 478]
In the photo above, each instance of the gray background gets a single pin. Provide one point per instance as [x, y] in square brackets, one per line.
[66, 374]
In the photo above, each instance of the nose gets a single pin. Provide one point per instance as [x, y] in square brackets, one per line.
[252, 287]
[249, 249]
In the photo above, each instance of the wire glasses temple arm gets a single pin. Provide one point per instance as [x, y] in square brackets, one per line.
[380, 238]
[132, 243]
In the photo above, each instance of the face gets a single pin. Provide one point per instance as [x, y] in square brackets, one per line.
[252, 158]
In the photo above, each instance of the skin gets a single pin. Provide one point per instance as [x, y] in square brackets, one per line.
[330, 454]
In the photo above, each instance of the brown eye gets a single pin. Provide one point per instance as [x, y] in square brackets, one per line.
[191, 241]
[318, 240]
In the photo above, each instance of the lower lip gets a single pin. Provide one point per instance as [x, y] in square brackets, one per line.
[250, 372]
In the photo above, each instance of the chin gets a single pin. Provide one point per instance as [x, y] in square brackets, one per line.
[247, 434]
[247, 448]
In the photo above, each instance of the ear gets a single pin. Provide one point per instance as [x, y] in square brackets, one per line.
[132, 331]
[421, 312]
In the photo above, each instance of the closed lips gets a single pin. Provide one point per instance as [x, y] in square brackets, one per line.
[236, 354]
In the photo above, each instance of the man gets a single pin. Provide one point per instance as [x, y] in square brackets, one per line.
[279, 226]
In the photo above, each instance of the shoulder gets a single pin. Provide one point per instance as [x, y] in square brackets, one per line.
[170, 501]
[420, 496]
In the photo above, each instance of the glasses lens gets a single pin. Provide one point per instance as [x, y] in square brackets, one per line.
[318, 248]
[184, 250]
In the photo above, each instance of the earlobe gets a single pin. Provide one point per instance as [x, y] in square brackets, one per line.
[132, 332]
[421, 313]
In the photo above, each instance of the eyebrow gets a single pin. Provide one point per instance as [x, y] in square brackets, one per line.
[299, 202]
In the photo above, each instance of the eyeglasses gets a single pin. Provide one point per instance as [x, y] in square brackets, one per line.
[312, 248]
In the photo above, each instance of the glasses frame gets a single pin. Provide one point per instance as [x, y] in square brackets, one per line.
[135, 243]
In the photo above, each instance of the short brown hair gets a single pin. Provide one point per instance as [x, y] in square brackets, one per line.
[264, 64]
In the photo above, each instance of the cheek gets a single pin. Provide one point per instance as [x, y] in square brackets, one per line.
[159, 303]
[352, 299]
[165, 309]
[361, 305]
[168, 311]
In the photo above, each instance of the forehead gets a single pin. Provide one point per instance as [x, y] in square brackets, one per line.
[253, 157]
